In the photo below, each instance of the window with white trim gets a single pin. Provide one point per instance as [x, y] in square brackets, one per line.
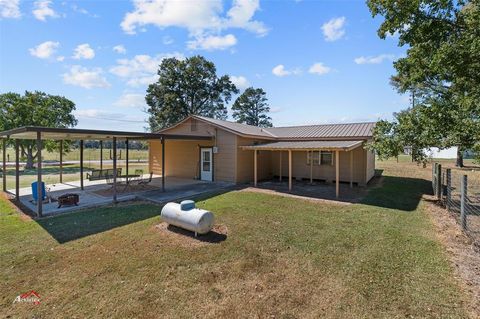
[320, 157]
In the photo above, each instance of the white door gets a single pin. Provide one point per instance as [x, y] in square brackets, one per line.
[206, 164]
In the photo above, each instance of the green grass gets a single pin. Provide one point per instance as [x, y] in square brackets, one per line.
[282, 257]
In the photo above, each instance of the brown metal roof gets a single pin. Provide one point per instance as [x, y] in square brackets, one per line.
[306, 132]
[51, 133]
[348, 130]
[306, 145]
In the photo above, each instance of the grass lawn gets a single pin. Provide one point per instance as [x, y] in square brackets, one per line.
[282, 257]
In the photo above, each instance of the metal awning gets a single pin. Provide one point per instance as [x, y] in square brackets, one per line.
[306, 146]
[51, 133]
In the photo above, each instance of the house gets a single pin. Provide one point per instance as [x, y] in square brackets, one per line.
[240, 153]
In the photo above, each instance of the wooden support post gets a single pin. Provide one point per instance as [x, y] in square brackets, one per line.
[255, 168]
[163, 164]
[439, 181]
[114, 146]
[81, 165]
[101, 155]
[17, 169]
[126, 156]
[463, 203]
[4, 164]
[351, 169]
[337, 174]
[61, 161]
[289, 170]
[311, 167]
[449, 188]
[280, 172]
[39, 175]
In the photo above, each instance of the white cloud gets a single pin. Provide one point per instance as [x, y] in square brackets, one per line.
[167, 40]
[334, 29]
[42, 10]
[10, 9]
[141, 69]
[44, 50]
[240, 82]
[210, 43]
[374, 59]
[319, 68]
[60, 58]
[205, 20]
[134, 100]
[83, 51]
[86, 78]
[120, 49]
[280, 70]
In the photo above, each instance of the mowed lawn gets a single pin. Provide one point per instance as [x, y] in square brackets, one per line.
[282, 258]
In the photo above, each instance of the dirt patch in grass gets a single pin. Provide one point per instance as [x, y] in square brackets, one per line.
[122, 190]
[463, 254]
[184, 238]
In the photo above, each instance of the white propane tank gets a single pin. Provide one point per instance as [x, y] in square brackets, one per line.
[194, 219]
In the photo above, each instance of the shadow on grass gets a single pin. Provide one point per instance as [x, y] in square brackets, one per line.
[211, 237]
[402, 193]
[71, 226]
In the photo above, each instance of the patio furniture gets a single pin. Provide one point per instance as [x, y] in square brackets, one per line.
[99, 174]
[144, 182]
[68, 199]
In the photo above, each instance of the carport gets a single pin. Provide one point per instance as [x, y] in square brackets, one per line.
[307, 146]
[41, 134]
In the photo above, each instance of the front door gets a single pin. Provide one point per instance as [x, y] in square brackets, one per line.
[206, 164]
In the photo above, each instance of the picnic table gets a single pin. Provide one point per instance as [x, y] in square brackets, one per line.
[128, 178]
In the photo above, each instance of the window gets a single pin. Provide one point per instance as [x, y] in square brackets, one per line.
[320, 157]
[326, 158]
[193, 124]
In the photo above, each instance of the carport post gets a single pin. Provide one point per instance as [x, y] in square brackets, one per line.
[280, 172]
[61, 161]
[337, 173]
[101, 155]
[289, 170]
[17, 170]
[163, 164]
[81, 165]
[4, 164]
[126, 157]
[114, 146]
[311, 167]
[39, 175]
[255, 168]
[351, 168]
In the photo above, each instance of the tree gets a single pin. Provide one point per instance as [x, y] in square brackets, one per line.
[252, 108]
[442, 65]
[187, 87]
[35, 109]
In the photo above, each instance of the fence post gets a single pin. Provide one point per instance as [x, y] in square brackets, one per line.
[434, 181]
[439, 181]
[449, 190]
[463, 208]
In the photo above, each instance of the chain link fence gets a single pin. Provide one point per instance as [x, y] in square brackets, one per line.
[459, 192]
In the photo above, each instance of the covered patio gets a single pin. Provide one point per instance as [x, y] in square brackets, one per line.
[88, 190]
[336, 147]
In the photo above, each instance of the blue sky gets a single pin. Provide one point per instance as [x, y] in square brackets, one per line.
[318, 61]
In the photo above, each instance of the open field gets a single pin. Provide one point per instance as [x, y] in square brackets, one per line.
[88, 154]
[281, 257]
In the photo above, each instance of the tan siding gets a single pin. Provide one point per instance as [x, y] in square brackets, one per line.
[225, 159]
[245, 162]
[370, 165]
[326, 172]
[181, 157]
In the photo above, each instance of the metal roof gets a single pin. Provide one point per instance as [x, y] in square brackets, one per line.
[50, 133]
[306, 145]
[306, 132]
